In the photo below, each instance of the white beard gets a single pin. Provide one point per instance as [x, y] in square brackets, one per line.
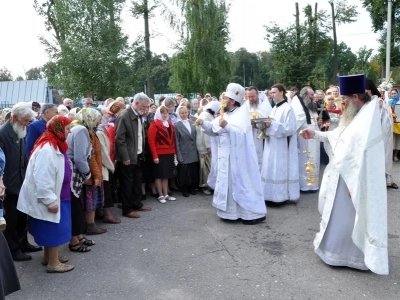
[348, 114]
[19, 129]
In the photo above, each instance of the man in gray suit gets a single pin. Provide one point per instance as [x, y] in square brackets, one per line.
[129, 147]
[12, 135]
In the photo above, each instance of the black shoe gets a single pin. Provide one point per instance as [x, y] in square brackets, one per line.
[394, 186]
[185, 194]
[192, 191]
[253, 222]
[19, 256]
[143, 197]
[31, 248]
[274, 204]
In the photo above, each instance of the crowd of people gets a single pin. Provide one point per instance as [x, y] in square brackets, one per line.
[64, 168]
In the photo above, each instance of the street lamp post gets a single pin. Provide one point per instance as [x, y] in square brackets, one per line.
[388, 38]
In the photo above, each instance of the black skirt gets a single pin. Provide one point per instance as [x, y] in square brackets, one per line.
[165, 168]
[188, 174]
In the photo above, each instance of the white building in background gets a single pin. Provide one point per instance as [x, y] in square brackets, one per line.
[12, 92]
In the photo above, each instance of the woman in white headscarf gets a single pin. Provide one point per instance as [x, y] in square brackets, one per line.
[161, 138]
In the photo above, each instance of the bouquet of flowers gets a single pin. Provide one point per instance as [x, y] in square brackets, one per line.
[387, 85]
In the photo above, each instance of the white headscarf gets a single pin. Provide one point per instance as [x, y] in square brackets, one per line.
[182, 104]
[157, 116]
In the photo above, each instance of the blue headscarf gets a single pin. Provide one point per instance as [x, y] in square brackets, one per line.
[393, 101]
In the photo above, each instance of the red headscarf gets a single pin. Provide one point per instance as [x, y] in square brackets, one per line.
[54, 134]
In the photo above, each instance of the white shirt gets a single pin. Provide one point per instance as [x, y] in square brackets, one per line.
[187, 125]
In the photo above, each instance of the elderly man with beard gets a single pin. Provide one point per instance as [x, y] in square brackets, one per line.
[257, 110]
[353, 197]
[12, 135]
[306, 111]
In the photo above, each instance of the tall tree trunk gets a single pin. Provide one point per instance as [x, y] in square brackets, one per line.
[335, 51]
[150, 81]
[298, 37]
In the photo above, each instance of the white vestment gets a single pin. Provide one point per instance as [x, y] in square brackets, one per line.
[263, 110]
[387, 130]
[313, 146]
[356, 167]
[280, 169]
[237, 188]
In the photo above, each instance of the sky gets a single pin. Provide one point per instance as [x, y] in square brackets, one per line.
[21, 50]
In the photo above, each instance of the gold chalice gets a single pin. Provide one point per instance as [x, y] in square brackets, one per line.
[260, 124]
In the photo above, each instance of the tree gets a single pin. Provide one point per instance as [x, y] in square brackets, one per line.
[89, 49]
[341, 13]
[201, 64]
[19, 78]
[34, 74]
[5, 74]
[141, 8]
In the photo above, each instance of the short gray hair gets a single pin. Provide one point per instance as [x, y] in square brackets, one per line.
[140, 97]
[47, 106]
[22, 110]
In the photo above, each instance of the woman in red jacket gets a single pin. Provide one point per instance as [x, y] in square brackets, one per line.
[161, 138]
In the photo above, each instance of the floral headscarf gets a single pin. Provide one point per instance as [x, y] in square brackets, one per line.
[54, 134]
[89, 117]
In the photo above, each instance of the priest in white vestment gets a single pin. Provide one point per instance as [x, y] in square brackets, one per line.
[387, 130]
[353, 197]
[280, 169]
[306, 112]
[258, 109]
[237, 187]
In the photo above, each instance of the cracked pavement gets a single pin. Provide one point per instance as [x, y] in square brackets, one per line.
[182, 250]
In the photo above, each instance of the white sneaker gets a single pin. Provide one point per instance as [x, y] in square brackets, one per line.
[170, 198]
[206, 191]
[161, 199]
[3, 224]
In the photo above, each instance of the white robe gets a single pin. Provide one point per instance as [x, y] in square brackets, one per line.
[313, 146]
[355, 156]
[237, 188]
[280, 169]
[263, 109]
[387, 130]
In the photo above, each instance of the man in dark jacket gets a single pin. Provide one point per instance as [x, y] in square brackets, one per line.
[129, 147]
[12, 136]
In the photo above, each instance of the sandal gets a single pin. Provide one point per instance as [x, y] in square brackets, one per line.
[112, 220]
[61, 258]
[60, 268]
[170, 198]
[161, 199]
[81, 248]
[87, 242]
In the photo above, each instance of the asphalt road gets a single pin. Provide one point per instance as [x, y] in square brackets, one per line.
[182, 250]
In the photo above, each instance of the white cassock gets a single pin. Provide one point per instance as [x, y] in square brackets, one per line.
[262, 110]
[353, 230]
[280, 170]
[387, 130]
[313, 146]
[237, 188]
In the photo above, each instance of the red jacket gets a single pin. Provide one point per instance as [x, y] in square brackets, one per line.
[160, 140]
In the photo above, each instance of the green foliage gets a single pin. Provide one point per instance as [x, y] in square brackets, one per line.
[5, 74]
[378, 12]
[34, 74]
[202, 63]
[89, 48]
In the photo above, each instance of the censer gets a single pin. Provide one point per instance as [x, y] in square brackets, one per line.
[310, 166]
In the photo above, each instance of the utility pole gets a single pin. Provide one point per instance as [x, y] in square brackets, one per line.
[388, 38]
